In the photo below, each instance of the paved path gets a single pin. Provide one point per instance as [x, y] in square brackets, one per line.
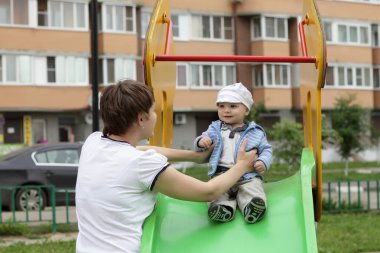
[10, 240]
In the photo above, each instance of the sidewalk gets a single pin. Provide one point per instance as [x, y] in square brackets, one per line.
[11, 240]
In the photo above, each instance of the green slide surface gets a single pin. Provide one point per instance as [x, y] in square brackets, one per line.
[183, 226]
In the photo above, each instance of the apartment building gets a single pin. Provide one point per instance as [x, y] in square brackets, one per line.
[45, 60]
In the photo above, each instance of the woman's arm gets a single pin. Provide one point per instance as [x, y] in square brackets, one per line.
[180, 155]
[180, 186]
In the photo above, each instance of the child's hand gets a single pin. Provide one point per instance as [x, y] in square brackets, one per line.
[259, 167]
[205, 142]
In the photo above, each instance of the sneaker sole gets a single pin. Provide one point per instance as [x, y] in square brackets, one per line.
[219, 213]
[254, 211]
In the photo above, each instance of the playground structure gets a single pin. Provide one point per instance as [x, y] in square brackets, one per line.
[294, 203]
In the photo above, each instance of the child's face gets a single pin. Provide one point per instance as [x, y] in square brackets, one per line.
[232, 113]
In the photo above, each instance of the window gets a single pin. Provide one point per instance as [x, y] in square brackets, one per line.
[51, 69]
[328, 31]
[11, 67]
[115, 69]
[258, 76]
[375, 35]
[228, 32]
[175, 25]
[212, 27]
[64, 156]
[257, 27]
[269, 27]
[119, 18]
[182, 75]
[271, 75]
[341, 76]
[68, 15]
[376, 77]
[67, 70]
[15, 69]
[21, 69]
[145, 18]
[14, 12]
[39, 130]
[1, 69]
[351, 76]
[209, 76]
[342, 33]
[353, 34]
[42, 13]
[330, 76]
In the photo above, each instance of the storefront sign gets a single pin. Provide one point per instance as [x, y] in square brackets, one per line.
[2, 123]
[28, 130]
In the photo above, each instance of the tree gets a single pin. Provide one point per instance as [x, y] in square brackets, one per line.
[256, 113]
[348, 122]
[375, 141]
[289, 142]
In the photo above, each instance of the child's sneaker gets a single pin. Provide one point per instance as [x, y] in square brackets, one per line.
[219, 213]
[254, 211]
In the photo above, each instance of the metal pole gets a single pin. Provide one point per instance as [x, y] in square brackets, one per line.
[94, 74]
[235, 58]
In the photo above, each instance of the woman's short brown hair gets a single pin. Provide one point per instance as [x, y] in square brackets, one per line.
[121, 104]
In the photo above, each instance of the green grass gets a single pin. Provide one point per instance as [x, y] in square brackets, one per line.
[330, 172]
[349, 233]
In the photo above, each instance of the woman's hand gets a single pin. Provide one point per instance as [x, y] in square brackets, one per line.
[247, 159]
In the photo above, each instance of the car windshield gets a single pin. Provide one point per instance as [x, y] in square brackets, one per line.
[13, 154]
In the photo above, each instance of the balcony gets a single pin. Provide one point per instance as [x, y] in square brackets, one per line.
[274, 98]
[44, 98]
[110, 43]
[364, 98]
[44, 40]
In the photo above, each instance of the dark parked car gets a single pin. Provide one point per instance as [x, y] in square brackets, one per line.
[41, 164]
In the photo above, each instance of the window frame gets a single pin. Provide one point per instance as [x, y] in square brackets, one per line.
[376, 69]
[336, 25]
[187, 73]
[263, 27]
[18, 73]
[350, 72]
[61, 25]
[12, 15]
[199, 68]
[123, 60]
[114, 21]
[65, 60]
[265, 75]
[375, 38]
[211, 27]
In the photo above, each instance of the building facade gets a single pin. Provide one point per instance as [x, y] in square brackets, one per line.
[45, 60]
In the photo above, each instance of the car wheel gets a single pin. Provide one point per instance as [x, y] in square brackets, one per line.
[36, 199]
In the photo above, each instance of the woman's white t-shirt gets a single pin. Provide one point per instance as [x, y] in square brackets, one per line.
[114, 194]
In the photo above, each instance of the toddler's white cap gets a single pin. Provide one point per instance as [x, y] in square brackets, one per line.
[235, 93]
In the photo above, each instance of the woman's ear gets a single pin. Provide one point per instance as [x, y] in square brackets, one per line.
[140, 119]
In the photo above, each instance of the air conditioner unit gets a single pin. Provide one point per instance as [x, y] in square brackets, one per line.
[237, 1]
[180, 119]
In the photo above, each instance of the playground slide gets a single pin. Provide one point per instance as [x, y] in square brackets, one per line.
[183, 226]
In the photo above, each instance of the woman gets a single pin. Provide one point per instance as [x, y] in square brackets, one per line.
[117, 183]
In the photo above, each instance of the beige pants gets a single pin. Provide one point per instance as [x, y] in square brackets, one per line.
[241, 194]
